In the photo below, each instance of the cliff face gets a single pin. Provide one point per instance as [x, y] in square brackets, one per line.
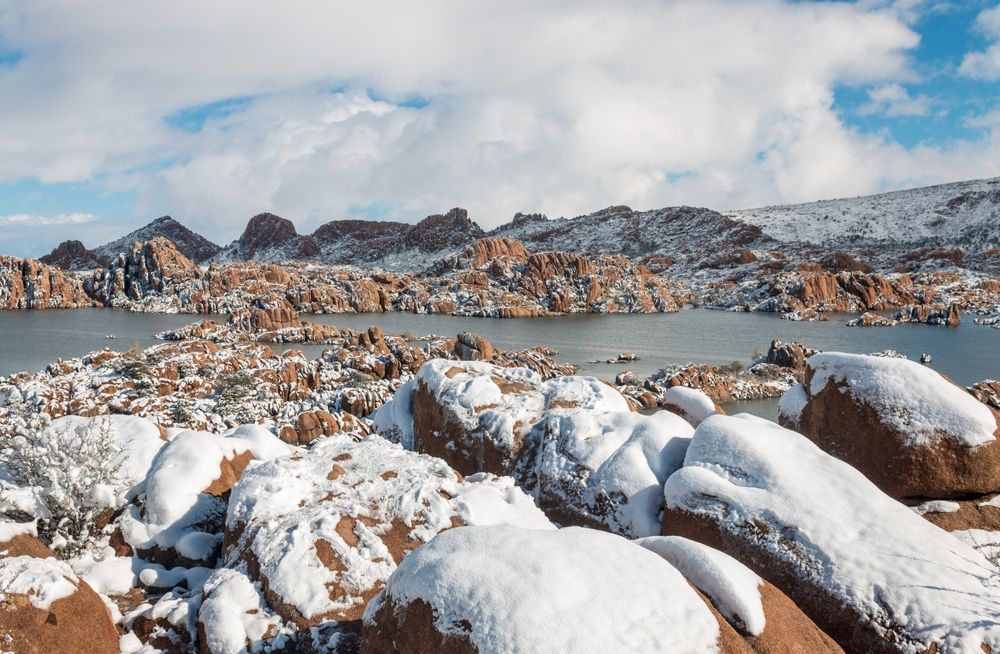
[30, 284]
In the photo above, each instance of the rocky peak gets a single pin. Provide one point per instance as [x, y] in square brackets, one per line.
[73, 255]
[265, 231]
[440, 232]
[360, 230]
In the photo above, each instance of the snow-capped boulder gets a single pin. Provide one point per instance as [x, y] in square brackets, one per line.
[594, 463]
[689, 403]
[756, 610]
[908, 429]
[182, 505]
[502, 589]
[572, 441]
[45, 608]
[474, 415]
[322, 530]
[869, 571]
[233, 614]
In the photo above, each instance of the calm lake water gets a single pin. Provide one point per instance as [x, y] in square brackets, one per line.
[968, 353]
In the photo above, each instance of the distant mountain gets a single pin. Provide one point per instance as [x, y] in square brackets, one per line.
[960, 214]
[192, 245]
[394, 245]
[72, 255]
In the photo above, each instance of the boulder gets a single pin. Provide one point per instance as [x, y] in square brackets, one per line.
[178, 520]
[470, 591]
[474, 415]
[832, 541]
[573, 442]
[321, 530]
[760, 614]
[45, 608]
[908, 429]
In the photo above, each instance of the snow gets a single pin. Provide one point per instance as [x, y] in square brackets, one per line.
[10, 530]
[613, 462]
[916, 402]
[138, 439]
[792, 402]
[106, 573]
[696, 404]
[42, 581]
[394, 419]
[569, 590]
[175, 501]
[286, 506]
[840, 533]
[233, 613]
[584, 393]
[937, 506]
[733, 588]
[911, 216]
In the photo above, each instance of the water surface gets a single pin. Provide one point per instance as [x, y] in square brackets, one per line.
[968, 353]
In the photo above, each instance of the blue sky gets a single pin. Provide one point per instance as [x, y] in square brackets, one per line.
[387, 111]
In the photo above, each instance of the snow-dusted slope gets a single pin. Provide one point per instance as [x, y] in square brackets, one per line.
[192, 245]
[673, 231]
[962, 214]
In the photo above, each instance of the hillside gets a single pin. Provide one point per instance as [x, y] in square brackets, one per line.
[194, 246]
[960, 214]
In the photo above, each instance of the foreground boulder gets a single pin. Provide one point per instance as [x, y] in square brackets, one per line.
[178, 518]
[870, 572]
[758, 613]
[502, 589]
[573, 442]
[908, 429]
[45, 608]
[469, 590]
[322, 530]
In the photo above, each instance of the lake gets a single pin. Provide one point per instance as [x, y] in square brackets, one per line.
[968, 353]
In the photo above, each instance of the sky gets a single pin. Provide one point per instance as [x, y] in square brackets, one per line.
[116, 112]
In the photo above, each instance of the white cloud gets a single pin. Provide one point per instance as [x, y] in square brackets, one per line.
[894, 100]
[985, 64]
[36, 220]
[561, 107]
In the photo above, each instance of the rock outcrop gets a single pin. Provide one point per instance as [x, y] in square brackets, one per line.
[573, 442]
[30, 284]
[344, 517]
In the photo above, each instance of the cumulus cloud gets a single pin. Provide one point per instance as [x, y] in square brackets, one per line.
[561, 107]
[894, 100]
[985, 64]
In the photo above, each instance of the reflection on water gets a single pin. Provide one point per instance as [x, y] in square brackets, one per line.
[968, 353]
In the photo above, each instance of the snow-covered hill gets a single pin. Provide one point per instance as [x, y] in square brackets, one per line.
[192, 245]
[960, 214]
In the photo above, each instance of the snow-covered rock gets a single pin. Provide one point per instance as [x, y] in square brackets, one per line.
[502, 589]
[474, 415]
[760, 613]
[322, 529]
[868, 570]
[180, 514]
[690, 403]
[907, 428]
[572, 441]
[46, 608]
